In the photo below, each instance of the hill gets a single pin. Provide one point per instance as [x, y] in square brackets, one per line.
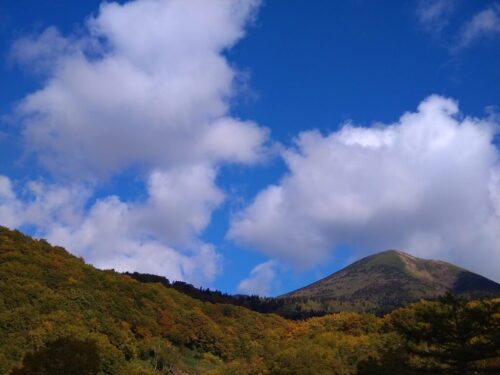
[48, 294]
[59, 315]
[390, 279]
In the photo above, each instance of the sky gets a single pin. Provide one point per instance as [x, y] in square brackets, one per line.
[252, 146]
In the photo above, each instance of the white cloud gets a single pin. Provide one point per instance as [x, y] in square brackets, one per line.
[38, 204]
[434, 14]
[483, 24]
[143, 87]
[138, 87]
[9, 207]
[40, 53]
[428, 184]
[110, 236]
[180, 203]
[135, 235]
[260, 280]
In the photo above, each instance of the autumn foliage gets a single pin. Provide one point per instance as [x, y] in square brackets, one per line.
[86, 321]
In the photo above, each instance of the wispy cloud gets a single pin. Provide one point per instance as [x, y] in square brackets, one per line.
[484, 24]
[434, 15]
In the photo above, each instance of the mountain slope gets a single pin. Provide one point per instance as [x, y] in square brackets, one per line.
[47, 294]
[59, 315]
[391, 279]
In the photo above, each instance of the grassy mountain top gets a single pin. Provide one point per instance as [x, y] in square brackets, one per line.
[393, 278]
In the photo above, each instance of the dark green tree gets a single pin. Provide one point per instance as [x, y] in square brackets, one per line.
[65, 356]
[452, 335]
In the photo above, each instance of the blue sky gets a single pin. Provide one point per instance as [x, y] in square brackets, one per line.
[252, 147]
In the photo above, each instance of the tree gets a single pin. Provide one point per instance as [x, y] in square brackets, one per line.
[65, 356]
[452, 335]
[163, 355]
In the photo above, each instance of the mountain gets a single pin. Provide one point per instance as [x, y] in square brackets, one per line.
[390, 279]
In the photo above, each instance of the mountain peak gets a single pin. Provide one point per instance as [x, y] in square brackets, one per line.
[393, 278]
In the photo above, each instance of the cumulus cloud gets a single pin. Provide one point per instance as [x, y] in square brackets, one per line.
[38, 204]
[260, 280]
[40, 52]
[180, 203]
[136, 235]
[110, 236]
[483, 24]
[137, 87]
[427, 183]
[142, 87]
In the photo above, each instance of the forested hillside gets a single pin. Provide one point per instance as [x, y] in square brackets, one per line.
[59, 315]
[295, 308]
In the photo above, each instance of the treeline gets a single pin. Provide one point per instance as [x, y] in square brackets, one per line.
[293, 308]
[289, 308]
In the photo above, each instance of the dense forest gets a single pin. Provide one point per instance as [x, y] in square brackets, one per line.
[295, 308]
[59, 315]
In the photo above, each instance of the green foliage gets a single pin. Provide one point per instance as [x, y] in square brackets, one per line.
[307, 359]
[289, 308]
[65, 356]
[452, 335]
[55, 310]
[47, 294]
